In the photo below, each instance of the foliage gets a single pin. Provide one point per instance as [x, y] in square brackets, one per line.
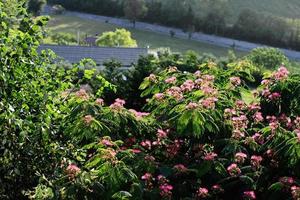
[63, 38]
[269, 58]
[118, 38]
[199, 138]
[135, 9]
[36, 6]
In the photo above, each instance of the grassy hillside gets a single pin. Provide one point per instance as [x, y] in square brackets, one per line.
[72, 25]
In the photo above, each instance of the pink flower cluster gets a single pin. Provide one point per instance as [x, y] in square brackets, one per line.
[106, 142]
[138, 115]
[210, 156]
[171, 80]
[72, 170]
[175, 92]
[208, 103]
[148, 178]
[202, 193]
[235, 81]
[286, 180]
[166, 190]
[187, 86]
[88, 119]
[295, 192]
[233, 170]
[256, 161]
[192, 106]
[99, 102]
[249, 195]
[240, 157]
[258, 117]
[282, 73]
[159, 96]
[164, 187]
[82, 94]
[118, 104]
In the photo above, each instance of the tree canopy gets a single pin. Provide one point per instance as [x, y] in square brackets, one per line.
[117, 38]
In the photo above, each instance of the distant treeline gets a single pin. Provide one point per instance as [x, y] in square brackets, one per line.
[199, 15]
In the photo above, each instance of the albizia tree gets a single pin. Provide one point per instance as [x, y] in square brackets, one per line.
[209, 143]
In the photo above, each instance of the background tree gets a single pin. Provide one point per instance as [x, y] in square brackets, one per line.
[135, 9]
[36, 6]
[118, 38]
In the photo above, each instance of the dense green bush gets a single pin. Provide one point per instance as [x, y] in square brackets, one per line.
[269, 58]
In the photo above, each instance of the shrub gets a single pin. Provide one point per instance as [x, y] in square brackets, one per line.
[269, 58]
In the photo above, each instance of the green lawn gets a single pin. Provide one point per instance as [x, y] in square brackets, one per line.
[72, 25]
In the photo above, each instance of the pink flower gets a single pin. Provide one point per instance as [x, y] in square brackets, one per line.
[208, 77]
[237, 134]
[82, 94]
[265, 82]
[138, 115]
[88, 119]
[208, 103]
[208, 90]
[258, 117]
[99, 102]
[240, 157]
[136, 151]
[256, 160]
[254, 106]
[240, 104]
[146, 144]
[159, 96]
[147, 177]
[217, 188]
[161, 134]
[249, 195]
[274, 96]
[202, 192]
[258, 138]
[295, 192]
[271, 118]
[197, 73]
[171, 80]
[265, 92]
[180, 168]
[210, 156]
[286, 180]
[106, 142]
[187, 86]
[72, 170]
[233, 170]
[166, 190]
[175, 92]
[236, 81]
[118, 104]
[282, 73]
[191, 106]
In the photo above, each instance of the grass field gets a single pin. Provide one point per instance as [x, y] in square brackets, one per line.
[72, 25]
